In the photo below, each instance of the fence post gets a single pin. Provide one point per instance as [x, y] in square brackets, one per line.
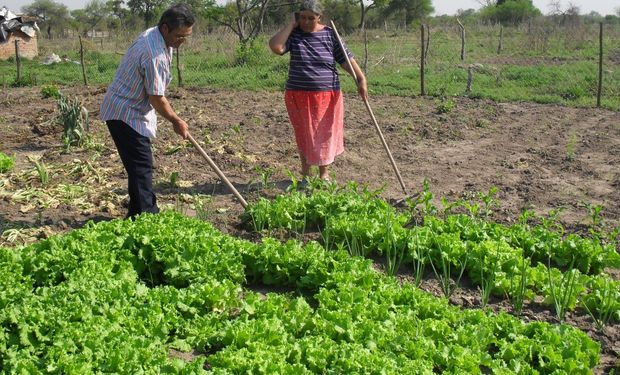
[422, 58]
[82, 62]
[428, 43]
[600, 66]
[365, 52]
[462, 39]
[179, 75]
[501, 34]
[18, 62]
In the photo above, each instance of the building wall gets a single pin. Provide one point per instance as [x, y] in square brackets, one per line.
[28, 47]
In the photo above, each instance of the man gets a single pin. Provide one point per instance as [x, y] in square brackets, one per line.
[137, 92]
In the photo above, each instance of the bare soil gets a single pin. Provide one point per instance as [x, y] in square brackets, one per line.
[540, 157]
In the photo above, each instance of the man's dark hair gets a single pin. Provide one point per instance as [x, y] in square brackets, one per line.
[179, 15]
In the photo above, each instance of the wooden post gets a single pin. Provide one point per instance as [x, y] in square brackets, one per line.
[600, 66]
[82, 62]
[501, 34]
[365, 52]
[422, 58]
[470, 79]
[18, 62]
[462, 39]
[428, 43]
[179, 75]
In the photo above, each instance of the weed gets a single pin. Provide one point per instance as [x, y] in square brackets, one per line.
[25, 81]
[445, 106]
[571, 145]
[265, 174]
[41, 170]
[6, 163]
[50, 91]
[203, 207]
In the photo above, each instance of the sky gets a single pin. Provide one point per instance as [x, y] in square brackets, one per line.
[450, 7]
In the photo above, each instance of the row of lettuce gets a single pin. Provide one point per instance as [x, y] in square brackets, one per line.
[522, 262]
[127, 296]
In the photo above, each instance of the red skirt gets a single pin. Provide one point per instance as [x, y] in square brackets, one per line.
[318, 120]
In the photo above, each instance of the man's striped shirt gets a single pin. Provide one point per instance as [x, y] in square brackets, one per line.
[144, 71]
[313, 60]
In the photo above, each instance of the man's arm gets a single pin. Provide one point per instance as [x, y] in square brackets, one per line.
[163, 107]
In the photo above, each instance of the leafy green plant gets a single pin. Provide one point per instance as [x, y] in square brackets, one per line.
[393, 246]
[50, 91]
[419, 251]
[602, 301]
[564, 290]
[294, 182]
[594, 214]
[423, 199]
[445, 105]
[518, 290]
[41, 170]
[448, 252]
[354, 245]
[6, 163]
[488, 264]
[249, 52]
[74, 119]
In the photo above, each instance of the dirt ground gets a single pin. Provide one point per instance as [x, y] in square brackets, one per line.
[540, 157]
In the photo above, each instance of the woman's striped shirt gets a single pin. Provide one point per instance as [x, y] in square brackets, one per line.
[313, 60]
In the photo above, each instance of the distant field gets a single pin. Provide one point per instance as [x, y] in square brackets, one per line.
[546, 64]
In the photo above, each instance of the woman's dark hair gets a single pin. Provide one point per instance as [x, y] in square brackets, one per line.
[179, 15]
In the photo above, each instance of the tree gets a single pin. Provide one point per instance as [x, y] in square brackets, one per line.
[146, 9]
[54, 16]
[87, 18]
[364, 9]
[343, 13]
[411, 9]
[244, 17]
[117, 13]
[509, 11]
[570, 16]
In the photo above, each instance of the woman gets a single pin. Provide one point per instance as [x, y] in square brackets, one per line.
[313, 97]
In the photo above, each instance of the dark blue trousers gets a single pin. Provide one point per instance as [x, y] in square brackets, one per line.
[135, 152]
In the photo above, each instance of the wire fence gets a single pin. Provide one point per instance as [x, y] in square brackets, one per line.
[536, 62]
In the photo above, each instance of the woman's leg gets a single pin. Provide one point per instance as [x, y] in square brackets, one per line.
[323, 173]
[305, 167]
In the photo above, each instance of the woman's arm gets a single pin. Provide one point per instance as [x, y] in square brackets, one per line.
[277, 42]
[362, 85]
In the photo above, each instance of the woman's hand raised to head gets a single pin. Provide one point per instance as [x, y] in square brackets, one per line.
[277, 42]
[295, 19]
